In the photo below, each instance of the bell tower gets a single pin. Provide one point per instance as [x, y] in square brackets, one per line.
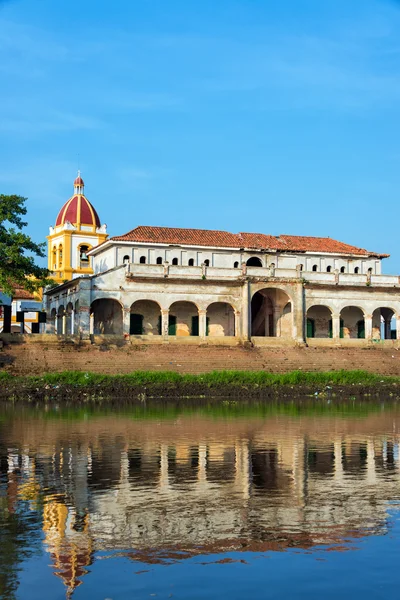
[76, 231]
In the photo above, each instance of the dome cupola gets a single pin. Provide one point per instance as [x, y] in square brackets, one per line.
[78, 210]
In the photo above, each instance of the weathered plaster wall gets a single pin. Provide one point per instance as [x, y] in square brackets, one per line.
[221, 320]
[184, 312]
[151, 314]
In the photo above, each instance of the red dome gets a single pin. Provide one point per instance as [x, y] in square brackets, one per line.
[79, 181]
[78, 210]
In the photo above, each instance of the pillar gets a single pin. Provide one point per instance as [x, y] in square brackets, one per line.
[336, 326]
[126, 320]
[164, 322]
[246, 315]
[237, 323]
[202, 323]
[388, 328]
[72, 317]
[299, 314]
[64, 323]
[368, 327]
[277, 312]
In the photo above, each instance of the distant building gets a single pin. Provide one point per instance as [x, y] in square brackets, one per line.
[21, 313]
[159, 284]
[77, 229]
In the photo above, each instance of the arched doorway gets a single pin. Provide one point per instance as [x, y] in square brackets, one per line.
[254, 261]
[220, 320]
[319, 322]
[183, 319]
[145, 318]
[384, 324]
[271, 314]
[107, 317]
[352, 323]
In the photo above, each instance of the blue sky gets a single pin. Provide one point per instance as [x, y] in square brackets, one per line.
[275, 116]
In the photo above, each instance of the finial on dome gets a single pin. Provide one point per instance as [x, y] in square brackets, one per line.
[79, 185]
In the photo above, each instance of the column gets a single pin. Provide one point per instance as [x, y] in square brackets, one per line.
[164, 322]
[126, 316]
[388, 329]
[336, 326]
[398, 327]
[237, 323]
[246, 327]
[72, 316]
[202, 323]
[299, 314]
[276, 316]
[64, 323]
[368, 327]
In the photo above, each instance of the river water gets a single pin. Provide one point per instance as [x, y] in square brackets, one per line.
[235, 501]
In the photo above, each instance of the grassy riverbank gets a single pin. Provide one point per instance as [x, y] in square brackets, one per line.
[139, 385]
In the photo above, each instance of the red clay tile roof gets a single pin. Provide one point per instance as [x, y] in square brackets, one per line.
[21, 293]
[250, 241]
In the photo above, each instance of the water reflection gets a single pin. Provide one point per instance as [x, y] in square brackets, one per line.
[161, 489]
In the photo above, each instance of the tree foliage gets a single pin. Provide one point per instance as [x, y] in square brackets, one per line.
[18, 251]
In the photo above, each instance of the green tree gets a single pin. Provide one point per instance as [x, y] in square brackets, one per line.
[18, 251]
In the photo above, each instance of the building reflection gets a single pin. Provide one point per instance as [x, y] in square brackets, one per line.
[254, 486]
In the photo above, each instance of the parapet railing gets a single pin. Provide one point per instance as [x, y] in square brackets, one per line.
[211, 272]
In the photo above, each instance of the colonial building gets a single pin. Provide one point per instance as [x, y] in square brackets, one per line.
[189, 285]
[76, 231]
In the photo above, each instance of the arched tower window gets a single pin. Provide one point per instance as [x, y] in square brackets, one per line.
[84, 261]
[54, 257]
[60, 256]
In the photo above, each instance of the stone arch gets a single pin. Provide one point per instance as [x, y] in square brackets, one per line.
[220, 319]
[352, 322]
[383, 319]
[183, 319]
[254, 261]
[319, 321]
[271, 313]
[106, 314]
[145, 318]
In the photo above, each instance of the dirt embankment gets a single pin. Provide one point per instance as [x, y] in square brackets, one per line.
[26, 391]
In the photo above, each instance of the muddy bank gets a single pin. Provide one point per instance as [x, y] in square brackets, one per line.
[69, 394]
